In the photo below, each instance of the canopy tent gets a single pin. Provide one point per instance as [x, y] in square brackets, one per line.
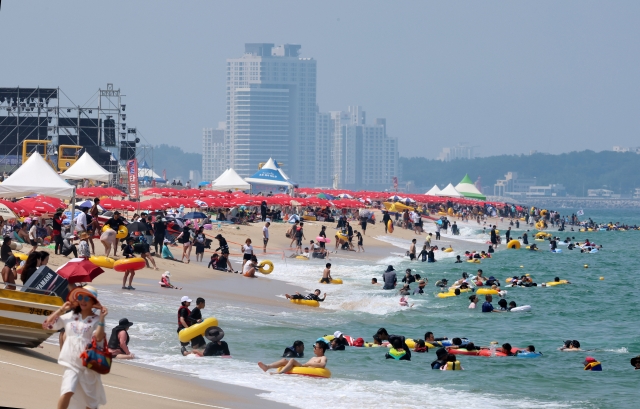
[449, 191]
[35, 176]
[433, 191]
[468, 189]
[230, 180]
[87, 168]
[270, 174]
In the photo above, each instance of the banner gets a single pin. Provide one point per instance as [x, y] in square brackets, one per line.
[132, 177]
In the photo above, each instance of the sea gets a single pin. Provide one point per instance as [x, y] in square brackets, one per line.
[600, 308]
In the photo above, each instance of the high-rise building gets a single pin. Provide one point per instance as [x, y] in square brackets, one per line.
[324, 150]
[214, 152]
[271, 110]
[456, 152]
[362, 156]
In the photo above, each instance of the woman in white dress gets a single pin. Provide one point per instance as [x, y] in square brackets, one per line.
[81, 387]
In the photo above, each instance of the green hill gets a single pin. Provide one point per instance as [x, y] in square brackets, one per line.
[175, 161]
[577, 171]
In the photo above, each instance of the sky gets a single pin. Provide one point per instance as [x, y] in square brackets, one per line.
[505, 76]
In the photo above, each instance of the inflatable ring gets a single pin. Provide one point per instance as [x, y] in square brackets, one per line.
[543, 212]
[308, 303]
[121, 233]
[513, 244]
[263, 264]
[193, 331]
[554, 283]
[390, 226]
[448, 250]
[102, 261]
[308, 371]
[333, 281]
[302, 257]
[528, 354]
[136, 263]
[15, 246]
[485, 291]
[446, 295]
[475, 260]
[524, 308]
[20, 256]
[341, 236]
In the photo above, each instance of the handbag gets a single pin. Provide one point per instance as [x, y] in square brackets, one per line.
[97, 358]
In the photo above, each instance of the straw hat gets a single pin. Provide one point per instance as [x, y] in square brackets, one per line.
[86, 290]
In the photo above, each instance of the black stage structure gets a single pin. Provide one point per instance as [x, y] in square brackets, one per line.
[99, 126]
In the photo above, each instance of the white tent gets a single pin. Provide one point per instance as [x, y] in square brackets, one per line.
[35, 176]
[270, 174]
[433, 191]
[230, 180]
[449, 191]
[87, 168]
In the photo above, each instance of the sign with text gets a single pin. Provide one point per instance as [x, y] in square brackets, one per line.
[132, 177]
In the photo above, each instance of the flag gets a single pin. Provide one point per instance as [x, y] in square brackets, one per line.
[580, 212]
[132, 176]
[164, 174]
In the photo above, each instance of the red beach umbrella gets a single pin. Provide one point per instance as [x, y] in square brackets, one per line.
[79, 270]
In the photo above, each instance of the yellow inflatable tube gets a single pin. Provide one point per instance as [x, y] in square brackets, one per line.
[333, 281]
[446, 295]
[341, 236]
[265, 267]
[308, 303]
[102, 261]
[513, 244]
[448, 250]
[302, 258]
[121, 233]
[308, 371]
[553, 283]
[475, 260]
[193, 331]
[485, 291]
[21, 256]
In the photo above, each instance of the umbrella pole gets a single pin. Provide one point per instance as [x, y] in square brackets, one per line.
[73, 210]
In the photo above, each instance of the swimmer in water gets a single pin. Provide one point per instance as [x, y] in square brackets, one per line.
[635, 362]
[571, 346]
[503, 304]
[318, 361]
[473, 301]
[326, 274]
[374, 281]
[312, 296]
[512, 305]
[529, 349]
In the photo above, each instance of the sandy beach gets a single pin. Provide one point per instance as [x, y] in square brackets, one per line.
[133, 385]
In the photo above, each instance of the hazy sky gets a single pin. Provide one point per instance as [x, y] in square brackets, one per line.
[506, 76]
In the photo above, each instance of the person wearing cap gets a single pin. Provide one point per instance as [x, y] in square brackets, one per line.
[420, 289]
[184, 321]
[166, 252]
[339, 342]
[119, 340]
[81, 325]
[114, 224]
[217, 347]
[68, 246]
[591, 364]
[83, 247]
[9, 273]
[390, 279]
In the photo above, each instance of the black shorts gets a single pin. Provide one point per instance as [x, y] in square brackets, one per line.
[299, 241]
[199, 248]
[247, 257]
[33, 242]
[412, 256]
[265, 240]
[325, 280]
[360, 243]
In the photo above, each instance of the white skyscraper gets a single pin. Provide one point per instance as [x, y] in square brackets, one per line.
[324, 150]
[362, 156]
[271, 110]
[214, 154]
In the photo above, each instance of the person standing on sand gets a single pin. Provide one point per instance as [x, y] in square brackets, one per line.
[319, 361]
[385, 220]
[185, 239]
[265, 236]
[80, 385]
[263, 211]
[299, 236]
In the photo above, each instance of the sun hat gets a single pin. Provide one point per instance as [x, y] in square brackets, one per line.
[185, 299]
[214, 334]
[337, 334]
[166, 274]
[125, 323]
[84, 235]
[389, 268]
[86, 290]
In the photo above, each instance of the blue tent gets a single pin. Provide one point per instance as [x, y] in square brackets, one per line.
[271, 175]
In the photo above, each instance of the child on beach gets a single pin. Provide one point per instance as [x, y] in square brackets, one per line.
[165, 281]
[359, 237]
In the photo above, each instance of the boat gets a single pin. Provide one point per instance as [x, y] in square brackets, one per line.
[22, 314]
